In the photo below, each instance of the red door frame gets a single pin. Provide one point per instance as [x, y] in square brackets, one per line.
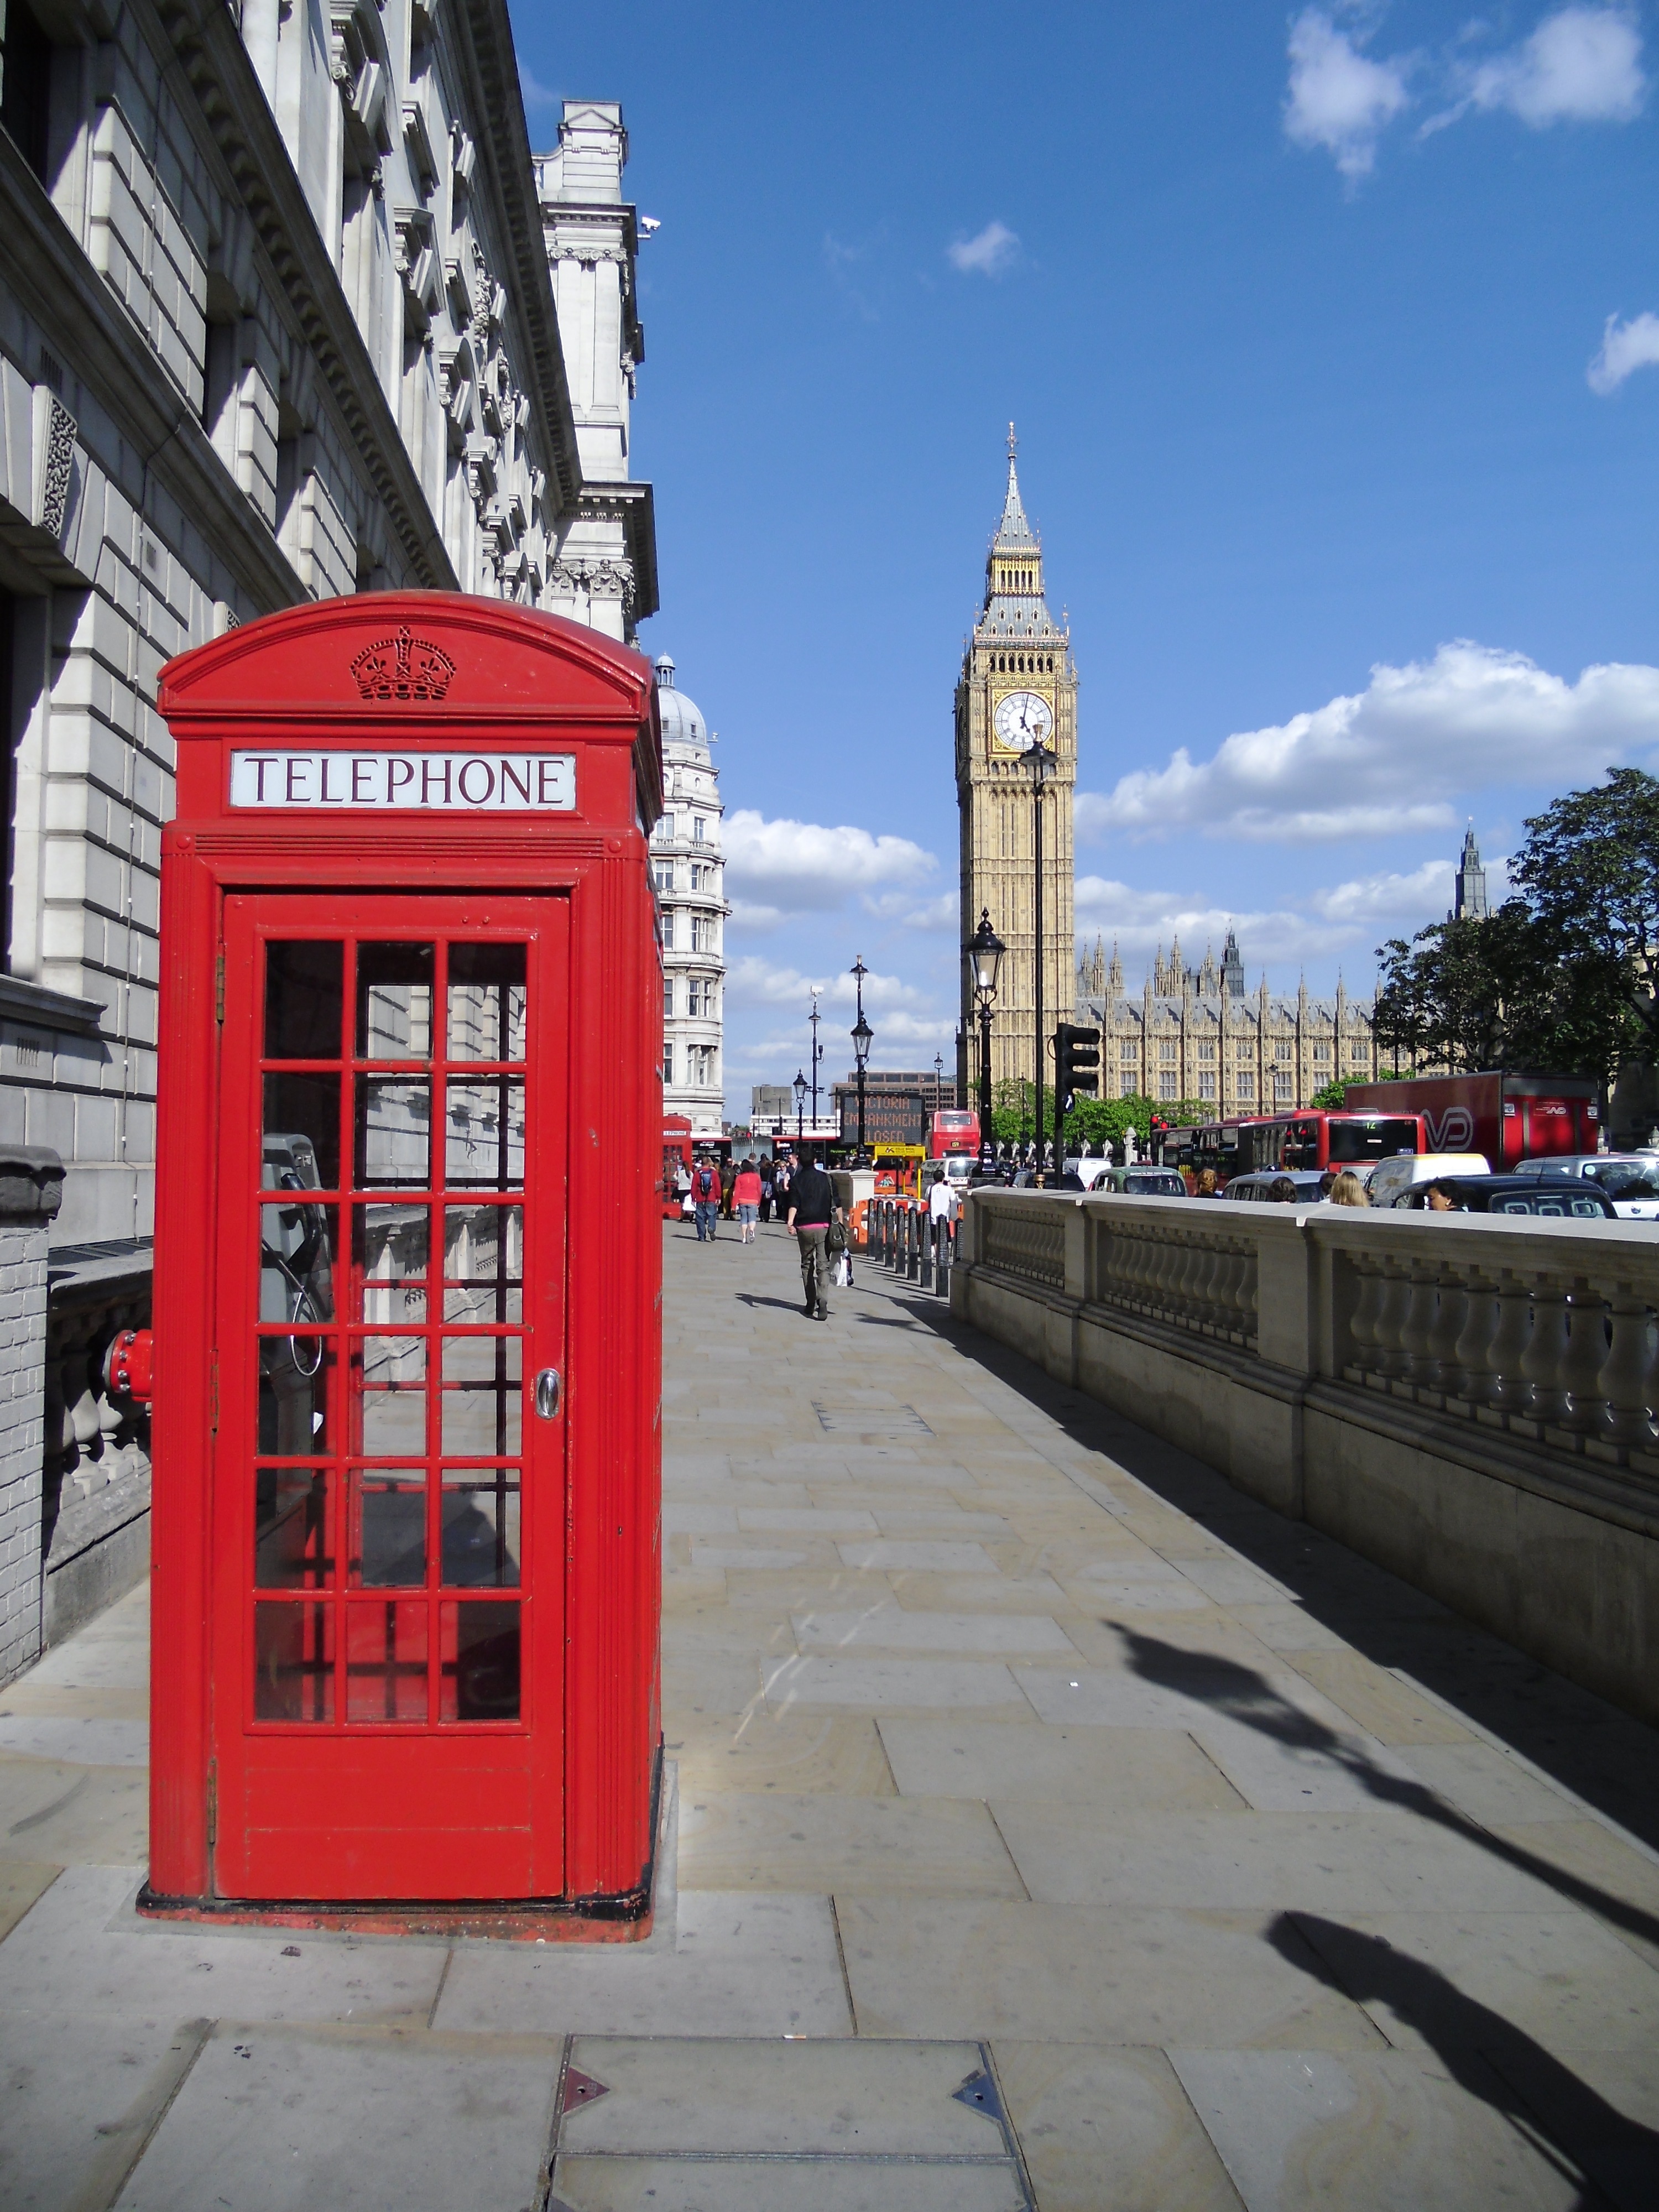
[520, 679]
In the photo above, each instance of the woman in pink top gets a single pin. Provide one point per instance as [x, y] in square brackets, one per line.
[746, 1197]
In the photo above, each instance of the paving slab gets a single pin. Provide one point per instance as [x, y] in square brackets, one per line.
[1085, 1973]
[746, 1964]
[1149, 1768]
[73, 1814]
[1388, 2131]
[880, 1684]
[846, 1846]
[892, 1627]
[1109, 2130]
[798, 1751]
[271, 2122]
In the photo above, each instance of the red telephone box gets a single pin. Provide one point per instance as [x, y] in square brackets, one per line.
[408, 1273]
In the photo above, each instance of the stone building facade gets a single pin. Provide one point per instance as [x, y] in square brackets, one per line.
[276, 321]
[1017, 681]
[689, 870]
[1198, 1035]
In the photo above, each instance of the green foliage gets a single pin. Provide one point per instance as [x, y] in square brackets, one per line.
[1561, 979]
[1331, 1095]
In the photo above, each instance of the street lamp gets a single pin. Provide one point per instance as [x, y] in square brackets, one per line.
[1043, 760]
[862, 1035]
[801, 1101]
[817, 1054]
[983, 954]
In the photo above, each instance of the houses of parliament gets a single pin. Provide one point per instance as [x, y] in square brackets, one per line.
[1193, 1034]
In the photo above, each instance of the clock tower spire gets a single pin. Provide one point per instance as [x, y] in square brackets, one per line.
[1017, 682]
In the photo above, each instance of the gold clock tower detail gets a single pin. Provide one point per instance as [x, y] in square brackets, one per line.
[1018, 684]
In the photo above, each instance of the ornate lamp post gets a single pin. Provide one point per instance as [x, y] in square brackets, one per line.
[817, 1054]
[983, 954]
[862, 1035]
[801, 1101]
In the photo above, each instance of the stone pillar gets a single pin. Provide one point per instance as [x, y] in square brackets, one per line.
[31, 1191]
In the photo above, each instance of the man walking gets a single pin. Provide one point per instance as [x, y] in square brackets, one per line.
[812, 1209]
[706, 1198]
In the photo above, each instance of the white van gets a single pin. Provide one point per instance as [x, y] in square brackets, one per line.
[1389, 1180]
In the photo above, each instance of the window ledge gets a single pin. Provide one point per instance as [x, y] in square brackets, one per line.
[48, 1009]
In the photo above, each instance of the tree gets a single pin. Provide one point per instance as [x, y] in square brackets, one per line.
[1330, 1096]
[1589, 869]
[1469, 993]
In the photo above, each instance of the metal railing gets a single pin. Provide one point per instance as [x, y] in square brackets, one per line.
[901, 1237]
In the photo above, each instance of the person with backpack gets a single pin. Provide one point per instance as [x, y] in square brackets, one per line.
[706, 1198]
[813, 1208]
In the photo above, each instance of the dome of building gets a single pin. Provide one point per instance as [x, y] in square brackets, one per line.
[681, 717]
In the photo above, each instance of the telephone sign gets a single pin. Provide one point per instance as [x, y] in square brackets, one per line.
[406, 1511]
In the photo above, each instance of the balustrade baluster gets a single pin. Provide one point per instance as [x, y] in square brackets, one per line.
[1367, 1311]
[1587, 1355]
[1626, 1378]
[1444, 1372]
[1473, 1349]
[1544, 1364]
[1421, 1308]
[1391, 1356]
[1510, 1390]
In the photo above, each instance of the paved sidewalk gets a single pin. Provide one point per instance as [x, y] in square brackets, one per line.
[1055, 1827]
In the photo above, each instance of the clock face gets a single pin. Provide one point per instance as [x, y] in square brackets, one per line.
[1021, 719]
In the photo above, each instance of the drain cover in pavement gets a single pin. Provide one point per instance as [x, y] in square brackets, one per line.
[890, 1421]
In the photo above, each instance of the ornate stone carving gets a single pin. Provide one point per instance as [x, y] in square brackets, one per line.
[403, 667]
[55, 433]
[597, 579]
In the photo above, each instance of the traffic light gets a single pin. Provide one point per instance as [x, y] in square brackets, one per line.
[1077, 1063]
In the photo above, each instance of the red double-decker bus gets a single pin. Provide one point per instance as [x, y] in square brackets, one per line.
[1313, 1137]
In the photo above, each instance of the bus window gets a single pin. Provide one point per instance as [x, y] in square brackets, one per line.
[1369, 1140]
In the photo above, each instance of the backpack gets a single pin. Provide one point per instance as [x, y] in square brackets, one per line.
[705, 1182]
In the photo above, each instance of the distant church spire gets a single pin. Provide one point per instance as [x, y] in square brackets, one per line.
[1470, 902]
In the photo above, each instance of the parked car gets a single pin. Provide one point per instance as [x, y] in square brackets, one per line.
[1555, 1197]
[1389, 1180]
[1262, 1186]
[1631, 1180]
[1130, 1182]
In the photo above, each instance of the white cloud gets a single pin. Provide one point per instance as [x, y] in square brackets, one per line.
[1387, 897]
[1625, 347]
[988, 253]
[775, 868]
[533, 94]
[1580, 65]
[1339, 99]
[1393, 758]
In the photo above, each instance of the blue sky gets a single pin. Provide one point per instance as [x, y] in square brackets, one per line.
[1332, 335]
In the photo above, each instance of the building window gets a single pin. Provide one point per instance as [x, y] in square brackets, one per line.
[1166, 1051]
[1282, 1088]
[702, 933]
[1166, 1087]
[1322, 1054]
[663, 875]
[1245, 1084]
[1128, 1088]
[1207, 1052]
[1207, 1086]
[1357, 1056]
[668, 1063]
[696, 830]
[1281, 1050]
[1128, 1052]
[26, 85]
[1246, 1052]
[668, 998]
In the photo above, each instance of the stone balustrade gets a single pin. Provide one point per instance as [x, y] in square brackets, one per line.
[1472, 1400]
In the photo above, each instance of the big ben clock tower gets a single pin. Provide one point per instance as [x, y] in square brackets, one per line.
[1017, 686]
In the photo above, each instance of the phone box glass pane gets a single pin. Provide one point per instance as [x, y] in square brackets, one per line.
[479, 1508]
[484, 1134]
[300, 1147]
[389, 1387]
[388, 1524]
[290, 1528]
[483, 1263]
[394, 1132]
[293, 1396]
[389, 1259]
[305, 990]
[483, 1396]
[394, 1002]
[386, 1660]
[293, 1660]
[480, 1672]
[487, 1002]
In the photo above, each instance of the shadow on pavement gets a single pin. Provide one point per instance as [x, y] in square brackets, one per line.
[1601, 1754]
[1588, 2139]
[1243, 1695]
